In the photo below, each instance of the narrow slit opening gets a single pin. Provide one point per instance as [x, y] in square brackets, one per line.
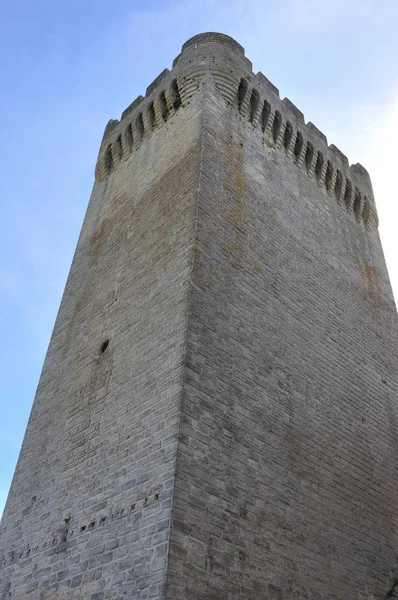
[298, 146]
[309, 155]
[319, 166]
[164, 109]
[254, 102]
[348, 194]
[140, 126]
[175, 95]
[104, 346]
[119, 147]
[265, 114]
[242, 89]
[287, 136]
[365, 210]
[276, 125]
[328, 176]
[338, 185]
[357, 204]
[129, 138]
[108, 159]
[151, 115]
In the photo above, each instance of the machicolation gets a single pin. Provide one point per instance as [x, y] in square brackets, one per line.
[279, 121]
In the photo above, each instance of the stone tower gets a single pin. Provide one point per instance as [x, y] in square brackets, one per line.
[217, 415]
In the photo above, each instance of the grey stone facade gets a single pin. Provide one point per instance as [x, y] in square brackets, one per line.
[237, 438]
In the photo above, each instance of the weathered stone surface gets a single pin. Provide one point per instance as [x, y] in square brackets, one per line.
[236, 438]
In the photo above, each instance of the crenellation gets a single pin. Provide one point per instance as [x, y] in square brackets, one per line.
[278, 128]
[176, 60]
[110, 129]
[280, 120]
[316, 134]
[156, 82]
[361, 179]
[340, 155]
[153, 113]
[293, 108]
[360, 169]
[132, 107]
[262, 80]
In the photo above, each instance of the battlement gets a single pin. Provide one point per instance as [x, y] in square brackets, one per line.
[137, 122]
[284, 129]
[257, 100]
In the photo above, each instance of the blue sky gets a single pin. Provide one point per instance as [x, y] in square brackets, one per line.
[68, 67]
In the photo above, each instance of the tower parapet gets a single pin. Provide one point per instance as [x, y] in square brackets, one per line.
[279, 121]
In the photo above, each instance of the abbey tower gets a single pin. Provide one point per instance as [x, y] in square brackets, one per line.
[217, 415]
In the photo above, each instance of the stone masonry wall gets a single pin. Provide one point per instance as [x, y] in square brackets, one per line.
[287, 475]
[88, 515]
[216, 418]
